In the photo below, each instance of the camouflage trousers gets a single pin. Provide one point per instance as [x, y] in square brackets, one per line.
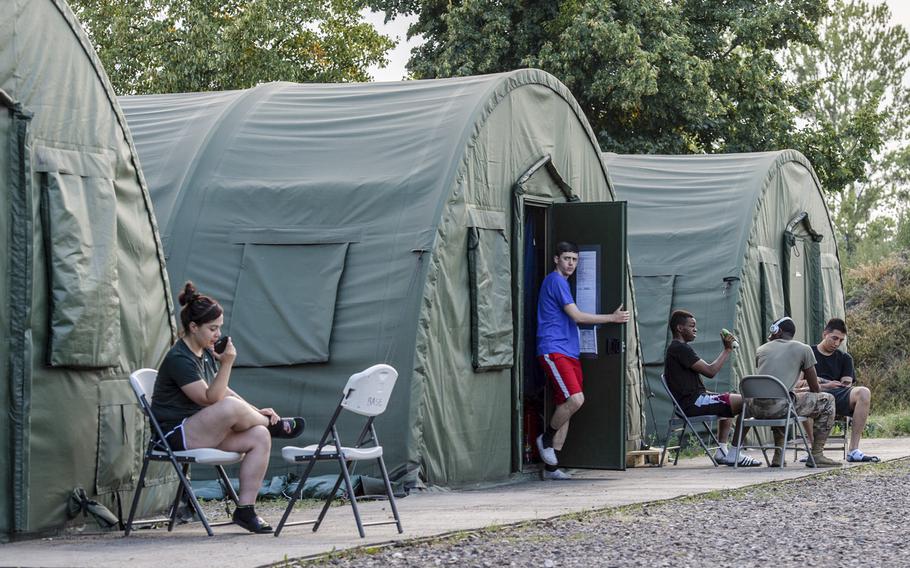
[819, 406]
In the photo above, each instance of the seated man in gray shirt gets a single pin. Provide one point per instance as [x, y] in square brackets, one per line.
[787, 359]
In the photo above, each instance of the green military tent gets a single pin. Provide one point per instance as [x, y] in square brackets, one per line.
[350, 224]
[737, 239]
[84, 285]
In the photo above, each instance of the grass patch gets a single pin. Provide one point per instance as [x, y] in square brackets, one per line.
[893, 424]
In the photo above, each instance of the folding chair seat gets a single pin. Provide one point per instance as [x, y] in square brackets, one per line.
[679, 422]
[766, 386]
[366, 394]
[143, 383]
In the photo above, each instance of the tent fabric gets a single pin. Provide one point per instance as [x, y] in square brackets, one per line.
[85, 288]
[401, 172]
[711, 234]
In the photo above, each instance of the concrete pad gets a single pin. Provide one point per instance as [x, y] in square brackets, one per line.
[423, 515]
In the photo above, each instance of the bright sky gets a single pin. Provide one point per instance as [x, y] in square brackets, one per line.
[397, 29]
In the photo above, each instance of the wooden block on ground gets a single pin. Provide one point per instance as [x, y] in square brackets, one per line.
[641, 458]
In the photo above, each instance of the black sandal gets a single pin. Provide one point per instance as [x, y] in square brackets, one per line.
[255, 525]
[287, 427]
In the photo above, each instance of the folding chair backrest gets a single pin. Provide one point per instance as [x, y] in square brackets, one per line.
[143, 383]
[763, 386]
[367, 392]
[676, 408]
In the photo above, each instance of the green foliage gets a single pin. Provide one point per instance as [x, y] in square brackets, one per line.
[651, 75]
[878, 302]
[858, 117]
[891, 425]
[165, 46]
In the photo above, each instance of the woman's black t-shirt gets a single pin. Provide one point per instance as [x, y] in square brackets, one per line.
[179, 368]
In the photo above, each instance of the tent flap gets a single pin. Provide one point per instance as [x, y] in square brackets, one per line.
[489, 270]
[121, 435]
[80, 236]
[654, 315]
[285, 303]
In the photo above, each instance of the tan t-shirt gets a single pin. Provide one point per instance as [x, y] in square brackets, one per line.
[784, 359]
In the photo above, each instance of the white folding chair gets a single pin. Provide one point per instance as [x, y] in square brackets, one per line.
[367, 394]
[679, 422]
[143, 383]
[768, 387]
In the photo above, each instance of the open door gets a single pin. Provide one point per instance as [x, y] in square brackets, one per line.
[597, 433]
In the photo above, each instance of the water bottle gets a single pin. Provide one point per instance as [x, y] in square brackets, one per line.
[725, 332]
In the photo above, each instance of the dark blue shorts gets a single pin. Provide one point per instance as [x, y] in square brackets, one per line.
[175, 438]
[841, 401]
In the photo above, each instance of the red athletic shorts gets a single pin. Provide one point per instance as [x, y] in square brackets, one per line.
[564, 373]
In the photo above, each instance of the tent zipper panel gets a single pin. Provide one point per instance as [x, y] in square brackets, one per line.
[20, 269]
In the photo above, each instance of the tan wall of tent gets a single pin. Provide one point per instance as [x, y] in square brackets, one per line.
[84, 285]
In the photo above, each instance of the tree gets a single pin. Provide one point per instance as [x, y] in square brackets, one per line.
[651, 75]
[164, 46]
[859, 115]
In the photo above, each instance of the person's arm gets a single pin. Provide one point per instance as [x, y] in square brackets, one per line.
[811, 378]
[826, 385]
[801, 383]
[710, 369]
[847, 371]
[584, 318]
[207, 394]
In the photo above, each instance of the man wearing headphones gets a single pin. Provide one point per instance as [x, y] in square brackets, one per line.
[787, 359]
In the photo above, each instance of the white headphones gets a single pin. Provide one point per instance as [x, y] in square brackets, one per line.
[775, 327]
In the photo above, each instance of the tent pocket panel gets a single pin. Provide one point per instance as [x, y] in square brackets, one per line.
[831, 280]
[284, 305]
[653, 315]
[772, 289]
[121, 439]
[490, 283]
[79, 215]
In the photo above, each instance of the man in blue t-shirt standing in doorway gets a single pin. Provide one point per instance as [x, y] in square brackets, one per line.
[558, 351]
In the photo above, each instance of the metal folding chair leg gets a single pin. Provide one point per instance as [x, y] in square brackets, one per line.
[390, 494]
[139, 486]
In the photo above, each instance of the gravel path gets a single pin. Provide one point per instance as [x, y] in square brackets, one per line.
[851, 517]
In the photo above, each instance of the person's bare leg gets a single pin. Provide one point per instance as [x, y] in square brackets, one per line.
[860, 402]
[736, 404]
[212, 425]
[255, 443]
[723, 429]
[561, 416]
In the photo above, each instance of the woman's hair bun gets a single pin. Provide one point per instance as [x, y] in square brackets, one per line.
[189, 293]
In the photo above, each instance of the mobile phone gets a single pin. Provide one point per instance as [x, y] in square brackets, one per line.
[221, 344]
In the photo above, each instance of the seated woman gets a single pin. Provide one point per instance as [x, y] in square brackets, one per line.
[197, 409]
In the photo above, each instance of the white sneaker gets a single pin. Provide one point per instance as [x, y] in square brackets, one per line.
[556, 475]
[548, 455]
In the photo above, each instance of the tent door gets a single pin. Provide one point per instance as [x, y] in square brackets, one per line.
[597, 433]
[532, 391]
[796, 298]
